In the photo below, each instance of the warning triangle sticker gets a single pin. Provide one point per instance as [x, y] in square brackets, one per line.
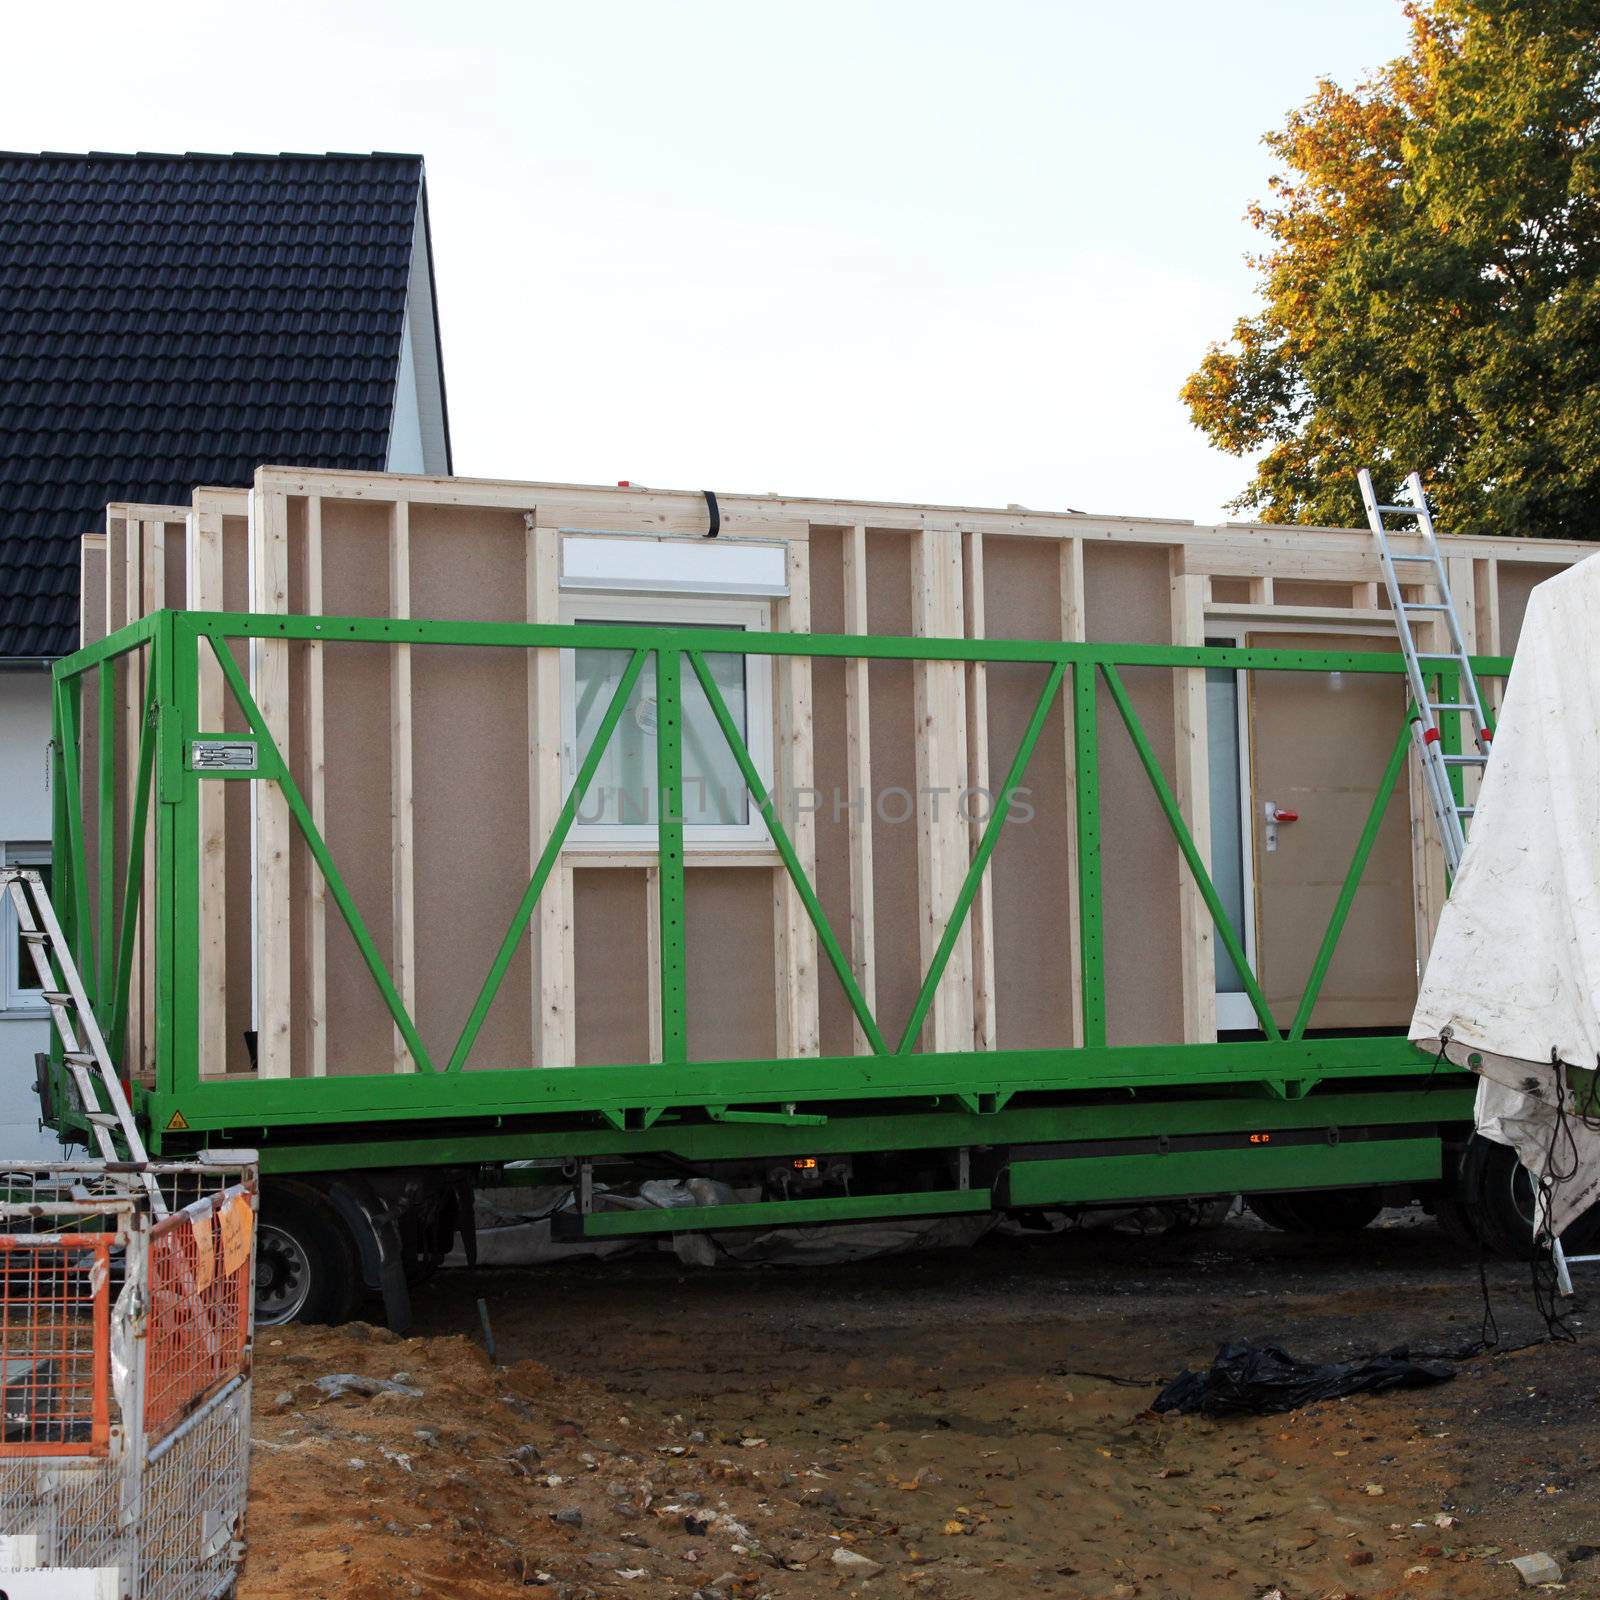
[177, 1123]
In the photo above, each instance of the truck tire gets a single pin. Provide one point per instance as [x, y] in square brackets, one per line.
[1457, 1222]
[1318, 1211]
[1496, 1192]
[306, 1265]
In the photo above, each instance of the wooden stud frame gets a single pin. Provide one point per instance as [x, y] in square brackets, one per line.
[858, 780]
[1297, 580]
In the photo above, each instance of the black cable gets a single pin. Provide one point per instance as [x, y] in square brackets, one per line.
[1433, 1071]
[1546, 1285]
[1489, 1330]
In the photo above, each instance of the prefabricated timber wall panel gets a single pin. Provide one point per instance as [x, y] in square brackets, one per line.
[358, 683]
[145, 570]
[92, 626]
[890, 788]
[470, 723]
[219, 580]
[1127, 598]
[1033, 884]
[843, 821]
[419, 763]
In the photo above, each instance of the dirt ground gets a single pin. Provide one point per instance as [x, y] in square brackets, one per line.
[957, 1423]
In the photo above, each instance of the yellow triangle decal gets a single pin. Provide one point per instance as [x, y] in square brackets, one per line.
[177, 1123]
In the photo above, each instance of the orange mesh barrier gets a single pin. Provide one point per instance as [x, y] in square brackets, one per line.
[55, 1335]
[200, 1289]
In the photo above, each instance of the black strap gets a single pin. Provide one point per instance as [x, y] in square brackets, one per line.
[713, 513]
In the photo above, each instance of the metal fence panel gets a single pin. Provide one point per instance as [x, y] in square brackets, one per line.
[125, 1346]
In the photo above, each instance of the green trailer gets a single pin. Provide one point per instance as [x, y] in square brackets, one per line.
[378, 1167]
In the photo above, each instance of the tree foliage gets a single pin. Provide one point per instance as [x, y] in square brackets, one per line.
[1431, 283]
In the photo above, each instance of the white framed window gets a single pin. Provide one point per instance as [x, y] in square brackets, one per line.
[19, 983]
[620, 810]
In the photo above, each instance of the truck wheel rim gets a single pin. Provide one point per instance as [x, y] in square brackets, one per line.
[283, 1276]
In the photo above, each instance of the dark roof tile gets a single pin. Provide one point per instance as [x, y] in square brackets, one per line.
[171, 320]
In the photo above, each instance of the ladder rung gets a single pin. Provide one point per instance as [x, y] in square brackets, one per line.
[1464, 761]
[1439, 655]
[104, 1119]
[1449, 705]
[78, 1058]
[1423, 605]
[34, 935]
[1403, 555]
[57, 997]
[1465, 811]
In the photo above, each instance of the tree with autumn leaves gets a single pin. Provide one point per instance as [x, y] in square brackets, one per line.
[1431, 284]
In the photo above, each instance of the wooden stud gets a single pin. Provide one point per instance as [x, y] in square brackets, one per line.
[1486, 623]
[1073, 631]
[939, 694]
[317, 798]
[152, 580]
[402, 797]
[205, 593]
[269, 663]
[91, 547]
[1339, 554]
[551, 935]
[858, 782]
[985, 1026]
[1486, 591]
[120, 528]
[795, 940]
[1192, 788]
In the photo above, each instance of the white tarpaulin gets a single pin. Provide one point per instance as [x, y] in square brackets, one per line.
[1512, 986]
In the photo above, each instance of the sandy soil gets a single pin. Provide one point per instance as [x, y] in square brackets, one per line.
[973, 1423]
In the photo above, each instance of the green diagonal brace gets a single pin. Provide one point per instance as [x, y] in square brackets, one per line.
[547, 860]
[1352, 879]
[980, 857]
[1191, 852]
[758, 792]
[319, 853]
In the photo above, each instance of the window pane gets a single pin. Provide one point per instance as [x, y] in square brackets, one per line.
[624, 786]
[26, 977]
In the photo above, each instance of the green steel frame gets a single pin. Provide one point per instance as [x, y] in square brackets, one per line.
[897, 1097]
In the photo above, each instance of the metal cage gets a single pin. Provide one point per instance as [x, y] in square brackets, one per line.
[125, 1342]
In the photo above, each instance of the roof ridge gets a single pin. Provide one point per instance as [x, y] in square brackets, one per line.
[209, 155]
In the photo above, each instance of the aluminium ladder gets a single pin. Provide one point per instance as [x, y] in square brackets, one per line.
[1451, 812]
[82, 1043]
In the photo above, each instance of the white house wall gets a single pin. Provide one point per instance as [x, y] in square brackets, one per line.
[417, 432]
[405, 432]
[24, 819]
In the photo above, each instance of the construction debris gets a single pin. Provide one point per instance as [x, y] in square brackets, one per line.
[1537, 1569]
[1264, 1378]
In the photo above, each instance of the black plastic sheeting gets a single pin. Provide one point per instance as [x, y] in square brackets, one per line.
[1264, 1378]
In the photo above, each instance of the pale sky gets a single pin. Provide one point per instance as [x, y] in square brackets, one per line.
[896, 249]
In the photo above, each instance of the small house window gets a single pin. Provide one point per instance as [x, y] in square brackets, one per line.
[19, 983]
[621, 808]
